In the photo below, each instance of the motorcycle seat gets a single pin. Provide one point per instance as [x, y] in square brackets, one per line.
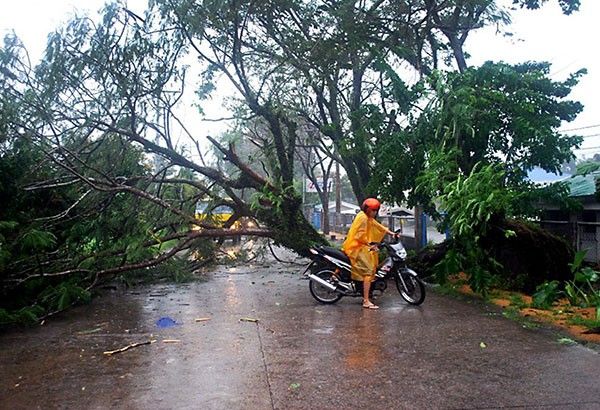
[335, 253]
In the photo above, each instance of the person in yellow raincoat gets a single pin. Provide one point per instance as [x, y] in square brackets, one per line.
[364, 257]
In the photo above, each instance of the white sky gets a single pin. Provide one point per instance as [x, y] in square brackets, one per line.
[568, 42]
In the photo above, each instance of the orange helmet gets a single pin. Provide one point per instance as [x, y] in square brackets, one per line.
[371, 203]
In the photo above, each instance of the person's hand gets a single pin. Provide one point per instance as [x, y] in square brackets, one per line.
[373, 247]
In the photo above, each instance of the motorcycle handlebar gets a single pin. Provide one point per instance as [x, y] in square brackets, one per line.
[379, 244]
[383, 243]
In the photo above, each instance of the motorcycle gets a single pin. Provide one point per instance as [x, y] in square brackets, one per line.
[330, 279]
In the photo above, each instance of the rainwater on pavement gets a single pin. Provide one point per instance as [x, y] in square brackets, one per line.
[447, 353]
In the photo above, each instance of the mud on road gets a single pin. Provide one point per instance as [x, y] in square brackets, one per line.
[447, 353]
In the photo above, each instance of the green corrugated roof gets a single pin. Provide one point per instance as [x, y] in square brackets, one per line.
[582, 185]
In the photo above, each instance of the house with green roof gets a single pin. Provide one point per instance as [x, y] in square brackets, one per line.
[581, 227]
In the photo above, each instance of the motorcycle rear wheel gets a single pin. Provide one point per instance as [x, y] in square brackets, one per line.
[412, 290]
[322, 293]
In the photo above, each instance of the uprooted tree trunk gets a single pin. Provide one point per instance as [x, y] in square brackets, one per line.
[529, 258]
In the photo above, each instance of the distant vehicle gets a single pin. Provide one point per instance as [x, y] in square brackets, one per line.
[219, 215]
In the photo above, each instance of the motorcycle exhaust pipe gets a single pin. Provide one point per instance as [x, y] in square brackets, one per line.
[321, 281]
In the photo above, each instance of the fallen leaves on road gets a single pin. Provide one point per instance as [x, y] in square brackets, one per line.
[566, 341]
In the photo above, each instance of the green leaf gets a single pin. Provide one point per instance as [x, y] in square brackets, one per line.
[64, 299]
[36, 240]
[546, 294]
[6, 317]
[8, 225]
[586, 275]
[578, 260]
[64, 295]
[29, 314]
[571, 292]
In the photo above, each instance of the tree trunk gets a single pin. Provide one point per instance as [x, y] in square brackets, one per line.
[290, 228]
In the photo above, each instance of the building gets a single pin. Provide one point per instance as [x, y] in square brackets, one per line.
[580, 227]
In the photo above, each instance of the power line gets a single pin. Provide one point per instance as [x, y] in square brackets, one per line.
[587, 148]
[591, 135]
[580, 128]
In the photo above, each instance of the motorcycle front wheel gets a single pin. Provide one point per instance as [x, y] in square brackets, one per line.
[322, 293]
[411, 288]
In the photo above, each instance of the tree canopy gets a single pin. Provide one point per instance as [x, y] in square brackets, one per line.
[92, 138]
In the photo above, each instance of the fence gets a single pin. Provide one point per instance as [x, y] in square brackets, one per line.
[339, 223]
[582, 235]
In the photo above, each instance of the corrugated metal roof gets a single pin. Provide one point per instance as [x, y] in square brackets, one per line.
[582, 185]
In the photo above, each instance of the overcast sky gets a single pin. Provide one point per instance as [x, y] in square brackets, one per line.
[568, 42]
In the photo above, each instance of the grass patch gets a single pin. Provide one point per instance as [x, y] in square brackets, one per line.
[581, 321]
[517, 301]
[514, 313]
[523, 309]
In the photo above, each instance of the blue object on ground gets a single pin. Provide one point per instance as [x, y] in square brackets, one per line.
[165, 322]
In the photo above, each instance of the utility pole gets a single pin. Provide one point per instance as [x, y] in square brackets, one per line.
[303, 190]
[338, 197]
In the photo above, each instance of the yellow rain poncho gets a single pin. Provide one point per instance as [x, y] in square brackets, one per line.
[356, 245]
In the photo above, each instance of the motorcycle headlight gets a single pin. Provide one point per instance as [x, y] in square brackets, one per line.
[402, 253]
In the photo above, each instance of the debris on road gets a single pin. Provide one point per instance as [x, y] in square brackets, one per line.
[202, 319]
[171, 341]
[90, 331]
[248, 319]
[164, 322]
[566, 341]
[130, 346]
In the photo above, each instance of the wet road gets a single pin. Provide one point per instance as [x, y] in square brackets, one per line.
[299, 355]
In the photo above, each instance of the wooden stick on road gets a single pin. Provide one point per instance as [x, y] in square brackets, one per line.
[131, 346]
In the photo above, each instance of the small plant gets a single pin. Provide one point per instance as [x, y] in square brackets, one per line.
[518, 302]
[511, 312]
[546, 294]
[449, 265]
[473, 203]
[581, 291]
